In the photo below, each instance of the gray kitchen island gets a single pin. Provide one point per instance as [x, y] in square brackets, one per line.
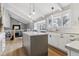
[35, 43]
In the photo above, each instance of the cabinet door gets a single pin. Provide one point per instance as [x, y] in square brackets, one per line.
[55, 40]
[74, 53]
[63, 41]
[50, 38]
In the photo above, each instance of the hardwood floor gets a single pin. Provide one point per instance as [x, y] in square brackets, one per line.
[52, 51]
[17, 52]
[14, 48]
[22, 52]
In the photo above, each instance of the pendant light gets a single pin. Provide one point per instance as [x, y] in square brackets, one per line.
[31, 10]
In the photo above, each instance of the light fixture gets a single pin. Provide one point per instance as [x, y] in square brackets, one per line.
[31, 10]
[52, 8]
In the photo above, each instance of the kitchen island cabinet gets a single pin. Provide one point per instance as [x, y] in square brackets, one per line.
[35, 43]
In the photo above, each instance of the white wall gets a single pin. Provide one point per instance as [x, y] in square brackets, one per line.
[6, 19]
[74, 17]
[73, 25]
[60, 15]
[75, 13]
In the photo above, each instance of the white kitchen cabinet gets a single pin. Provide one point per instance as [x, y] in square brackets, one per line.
[50, 38]
[73, 48]
[73, 53]
[59, 40]
[53, 39]
[63, 40]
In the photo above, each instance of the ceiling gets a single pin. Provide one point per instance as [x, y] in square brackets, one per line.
[22, 11]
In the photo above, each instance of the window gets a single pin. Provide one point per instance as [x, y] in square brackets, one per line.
[41, 25]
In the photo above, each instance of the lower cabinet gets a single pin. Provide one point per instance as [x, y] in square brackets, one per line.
[63, 40]
[50, 38]
[73, 53]
[58, 41]
[53, 39]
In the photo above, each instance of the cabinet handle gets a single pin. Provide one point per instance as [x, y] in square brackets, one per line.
[71, 35]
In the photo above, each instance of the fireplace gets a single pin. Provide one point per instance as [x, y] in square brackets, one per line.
[18, 32]
[16, 27]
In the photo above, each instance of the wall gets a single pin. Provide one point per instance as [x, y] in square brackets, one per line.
[73, 25]
[74, 18]
[6, 19]
[75, 13]
[30, 25]
[15, 22]
[56, 25]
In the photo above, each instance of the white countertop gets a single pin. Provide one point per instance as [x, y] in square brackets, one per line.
[35, 33]
[73, 45]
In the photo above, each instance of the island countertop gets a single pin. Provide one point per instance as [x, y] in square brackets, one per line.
[35, 33]
[73, 46]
